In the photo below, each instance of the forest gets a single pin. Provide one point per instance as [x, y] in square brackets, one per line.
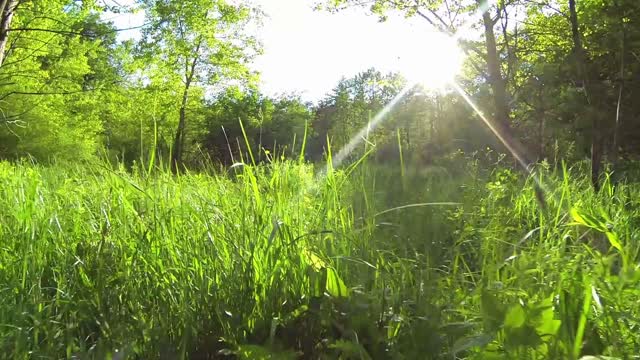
[157, 203]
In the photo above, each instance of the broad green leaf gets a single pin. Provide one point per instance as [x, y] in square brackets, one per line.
[471, 342]
[577, 217]
[524, 336]
[313, 260]
[594, 223]
[543, 318]
[335, 285]
[547, 324]
[587, 220]
[515, 317]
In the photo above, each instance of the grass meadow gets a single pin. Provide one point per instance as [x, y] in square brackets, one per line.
[285, 261]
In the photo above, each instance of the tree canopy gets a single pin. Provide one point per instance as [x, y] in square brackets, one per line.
[553, 74]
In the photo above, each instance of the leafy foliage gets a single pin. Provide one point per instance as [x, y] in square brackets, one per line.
[427, 244]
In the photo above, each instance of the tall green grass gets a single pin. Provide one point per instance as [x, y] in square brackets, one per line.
[273, 261]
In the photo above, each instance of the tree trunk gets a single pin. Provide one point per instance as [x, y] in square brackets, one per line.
[616, 129]
[3, 6]
[495, 76]
[434, 118]
[575, 33]
[502, 121]
[7, 9]
[541, 130]
[581, 65]
[178, 142]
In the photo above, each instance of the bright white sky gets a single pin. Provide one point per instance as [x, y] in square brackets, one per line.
[308, 51]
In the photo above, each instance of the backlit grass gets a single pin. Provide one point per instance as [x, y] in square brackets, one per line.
[272, 260]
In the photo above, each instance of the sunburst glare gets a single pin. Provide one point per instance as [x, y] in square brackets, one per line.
[433, 64]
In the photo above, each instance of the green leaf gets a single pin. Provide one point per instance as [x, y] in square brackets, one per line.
[587, 220]
[393, 329]
[614, 241]
[577, 217]
[350, 350]
[335, 286]
[594, 223]
[548, 325]
[263, 353]
[543, 318]
[524, 336]
[493, 312]
[515, 317]
[313, 260]
[470, 342]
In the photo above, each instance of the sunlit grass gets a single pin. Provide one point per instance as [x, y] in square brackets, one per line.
[97, 261]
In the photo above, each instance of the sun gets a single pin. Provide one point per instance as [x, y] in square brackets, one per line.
[433, 63]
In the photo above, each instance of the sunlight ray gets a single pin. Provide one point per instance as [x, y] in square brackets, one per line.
[362, 135]
[519, 157]
[541, 190]
[454, 55]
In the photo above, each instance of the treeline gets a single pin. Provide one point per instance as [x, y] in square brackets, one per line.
[559, 76]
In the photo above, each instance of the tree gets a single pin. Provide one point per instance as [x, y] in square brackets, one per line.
[448, 16]
[57, 61]
[349, 108]
[498, 85]
[581, 60]
[578, 51]
[272, 125]
[7, 10]
[197, 42]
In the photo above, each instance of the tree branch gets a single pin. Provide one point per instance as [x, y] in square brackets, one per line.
[68, 32]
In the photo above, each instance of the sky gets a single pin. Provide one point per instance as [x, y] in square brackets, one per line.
[308, 51]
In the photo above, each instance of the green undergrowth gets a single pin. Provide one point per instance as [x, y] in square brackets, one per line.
[278, 261]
